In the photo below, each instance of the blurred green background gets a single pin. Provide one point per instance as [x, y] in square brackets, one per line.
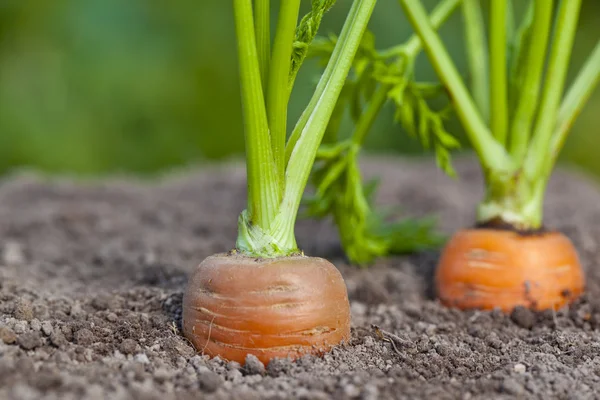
[105, 86]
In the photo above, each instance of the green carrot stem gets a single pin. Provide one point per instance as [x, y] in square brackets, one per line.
[518, 46]
[581, 89]
[510, 23]
[491, 153]
[368, 117]
[440, 14]
[410, 49]
[262, 25]
[262, 183]
[320, 109]
[529, 87]
[477, 55]
[564, 34]
[278, 91]
[498, 79]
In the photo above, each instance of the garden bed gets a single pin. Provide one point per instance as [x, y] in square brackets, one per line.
[92, 276]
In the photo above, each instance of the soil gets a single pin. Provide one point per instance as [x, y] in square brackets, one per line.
[92, 276]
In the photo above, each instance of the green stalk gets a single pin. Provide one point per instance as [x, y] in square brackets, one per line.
[262, 183]
[539, 150]
[278, 91]
[519, 44]
[410, 49]
[368, 117]
[319, 110]
[510, 23]
[498, 79]
[490, 152]
[263, 37]
[585, 83]
[530, 85]
[318, 93]
[477, 55]
[440, 14]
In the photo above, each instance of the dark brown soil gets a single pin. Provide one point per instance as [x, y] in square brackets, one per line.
[92, 276]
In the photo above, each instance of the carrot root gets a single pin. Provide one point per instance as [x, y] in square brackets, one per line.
[284, 307]
[491, 268]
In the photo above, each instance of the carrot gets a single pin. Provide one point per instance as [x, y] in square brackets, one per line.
[282, 307]
[517, 122]
[489, 268]
[266, 298]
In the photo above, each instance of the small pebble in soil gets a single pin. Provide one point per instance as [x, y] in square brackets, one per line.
[20, 327]
[523, 317]
[23, 310]
[58, 339]
[7, 335]
[30, 341]
[520, 368]
[253, 365]
[47, 328]
[141, 358]
[35, 325]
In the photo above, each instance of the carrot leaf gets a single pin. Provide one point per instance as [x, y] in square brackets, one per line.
[306, 32]
[365, 234]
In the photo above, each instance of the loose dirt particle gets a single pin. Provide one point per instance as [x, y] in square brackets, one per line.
[29, 341]
[209, 381]
[35, 325]
[128, 346]
[84, 337]
[47, 328]
[7, 335]
[523, 317]
[57, 338]
[253, 365]
[23, 310]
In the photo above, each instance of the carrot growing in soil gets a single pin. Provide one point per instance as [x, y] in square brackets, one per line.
[378, 77]
[266, 298]
[510, 259]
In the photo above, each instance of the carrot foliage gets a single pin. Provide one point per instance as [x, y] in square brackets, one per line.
[530, 112]
[378, 78]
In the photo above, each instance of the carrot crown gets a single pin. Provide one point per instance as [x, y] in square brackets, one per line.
[278, 171]
[515, 115]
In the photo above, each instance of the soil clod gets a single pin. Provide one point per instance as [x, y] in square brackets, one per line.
[29, 341]
[253, 365]
[523, 317]
[7, 335]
